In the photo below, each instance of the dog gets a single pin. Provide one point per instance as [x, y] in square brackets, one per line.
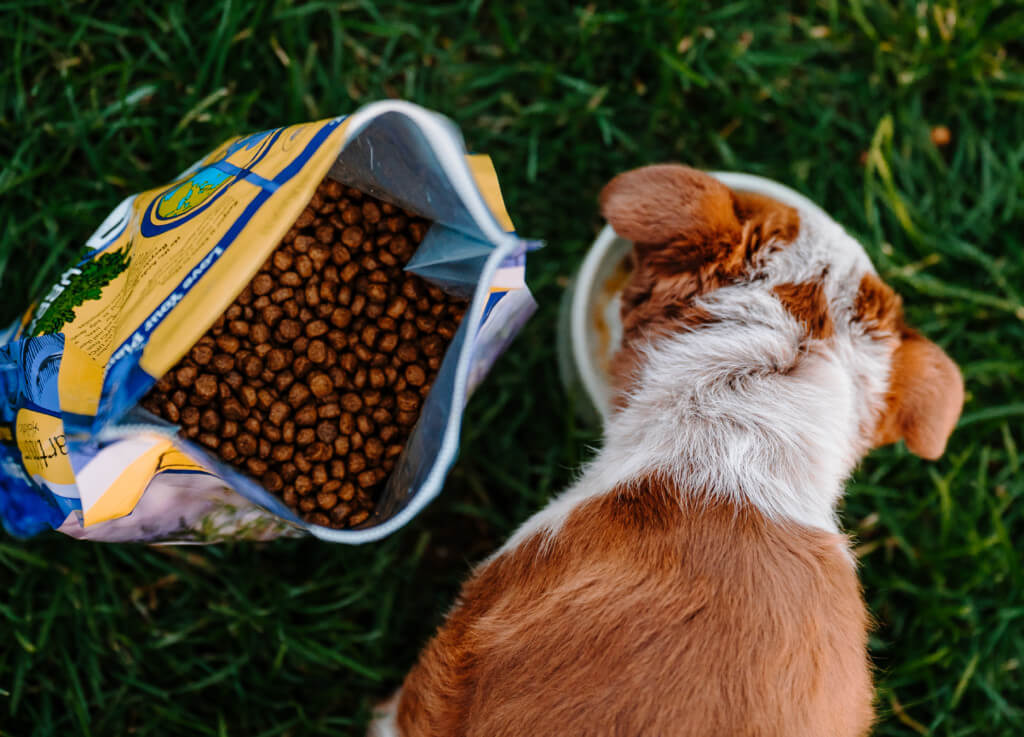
[694, 580]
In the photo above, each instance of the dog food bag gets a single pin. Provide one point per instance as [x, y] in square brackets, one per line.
[280, 342]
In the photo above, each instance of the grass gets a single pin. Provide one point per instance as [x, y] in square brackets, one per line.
[99, 100]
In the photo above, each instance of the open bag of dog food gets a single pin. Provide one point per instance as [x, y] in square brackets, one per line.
[280, 342]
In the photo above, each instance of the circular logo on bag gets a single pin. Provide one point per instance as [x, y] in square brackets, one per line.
[186, 198]
[191, 193]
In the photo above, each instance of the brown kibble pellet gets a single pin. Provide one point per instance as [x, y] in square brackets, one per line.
[289, 329]
[432, 345]
[223, 363]
[234, 410]
[303, 485]
[407, 401]
[377, 378]
[249, 396]
[397, 307]
[351, 402]
[415, 375]
[316, 328]
[318, 452]
[252, 366]
[317, 351]
[320, 384]
[278, 413]
[298, 394]
[365, 424]
[347, 491]
[272, 481]
[407, 353]
[326, 500]
[302, 463]
[277, 359]
[327, 431]
[186, 375]
[282, 453]
[282, 260]
[264, 398]
[228, 343]
[272, 314]
[306, 416]
[262, 284]
[206, 387]
[209, 420]
[341, 446]
[369, 335]
[302, 366]
[356, 463]
[201, 354]
[246, 444]
[259, 333]
[238, 328]
[373, 448]
[256, 466]
[328, 411]
[190, 415]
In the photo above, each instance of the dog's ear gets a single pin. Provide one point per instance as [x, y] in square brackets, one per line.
[926, 394]
[670, 204]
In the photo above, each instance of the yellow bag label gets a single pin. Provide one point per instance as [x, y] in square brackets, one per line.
[40, 438]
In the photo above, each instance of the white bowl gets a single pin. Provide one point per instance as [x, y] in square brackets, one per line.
[590, 329]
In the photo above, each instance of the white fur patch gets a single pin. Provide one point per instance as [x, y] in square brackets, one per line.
[745, 407]
[385, 718]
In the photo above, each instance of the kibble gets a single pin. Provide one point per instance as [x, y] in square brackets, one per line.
[312, 380]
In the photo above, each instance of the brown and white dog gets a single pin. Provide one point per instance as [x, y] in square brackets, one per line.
[694, 581]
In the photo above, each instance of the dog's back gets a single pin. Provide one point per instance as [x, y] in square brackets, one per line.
[641, 618]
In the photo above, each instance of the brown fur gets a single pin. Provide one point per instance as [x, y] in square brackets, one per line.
[926, 394]
[807, 302]
[642, 618]
[926, 390]
[878, 306]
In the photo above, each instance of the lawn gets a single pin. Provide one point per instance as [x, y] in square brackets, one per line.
[840, 100]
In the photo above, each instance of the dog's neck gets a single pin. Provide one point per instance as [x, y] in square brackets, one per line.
[740, 413]
[741, 409]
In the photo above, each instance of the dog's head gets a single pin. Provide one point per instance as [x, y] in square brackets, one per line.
[708, 259]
